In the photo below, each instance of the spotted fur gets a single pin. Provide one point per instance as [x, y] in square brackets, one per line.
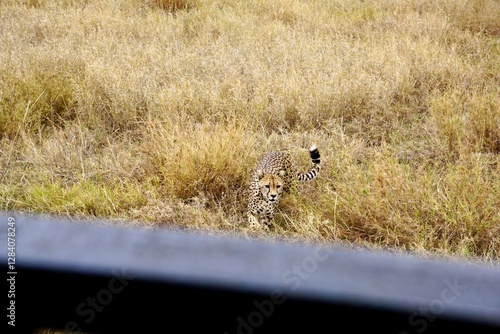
[274, 175]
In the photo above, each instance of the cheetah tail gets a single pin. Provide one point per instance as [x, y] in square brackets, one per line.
[316, 159]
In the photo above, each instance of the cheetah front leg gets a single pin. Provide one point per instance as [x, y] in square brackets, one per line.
[252, 221]
[263, 220]
[266, 221]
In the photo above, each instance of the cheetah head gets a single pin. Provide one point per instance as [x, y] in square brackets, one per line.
[271, 185]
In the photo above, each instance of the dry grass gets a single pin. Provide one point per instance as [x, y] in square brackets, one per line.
[157, 111]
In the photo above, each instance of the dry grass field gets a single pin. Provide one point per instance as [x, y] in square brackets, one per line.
[155, 113]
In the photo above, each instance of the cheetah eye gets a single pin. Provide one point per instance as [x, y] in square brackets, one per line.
[267, 186]
[278, 186]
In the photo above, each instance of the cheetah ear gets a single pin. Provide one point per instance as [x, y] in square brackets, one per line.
[281, 173]
[260, 173]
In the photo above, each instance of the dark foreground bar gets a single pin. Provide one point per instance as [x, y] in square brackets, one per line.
[105, 279]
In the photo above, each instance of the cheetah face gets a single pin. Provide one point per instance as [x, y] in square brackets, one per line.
[271, 185]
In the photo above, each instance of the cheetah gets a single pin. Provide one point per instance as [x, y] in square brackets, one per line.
[274, 175]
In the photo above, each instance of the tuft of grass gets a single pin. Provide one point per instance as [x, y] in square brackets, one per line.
[202, 160]
[156, 112]
[173, 5]
[36, 101]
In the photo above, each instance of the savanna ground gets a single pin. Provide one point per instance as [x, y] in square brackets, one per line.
[154, 113]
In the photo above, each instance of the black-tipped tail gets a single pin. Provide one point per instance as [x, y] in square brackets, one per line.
[313, 173]
[314, 153]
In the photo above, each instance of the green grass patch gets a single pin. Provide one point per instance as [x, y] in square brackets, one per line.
[83, 199]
